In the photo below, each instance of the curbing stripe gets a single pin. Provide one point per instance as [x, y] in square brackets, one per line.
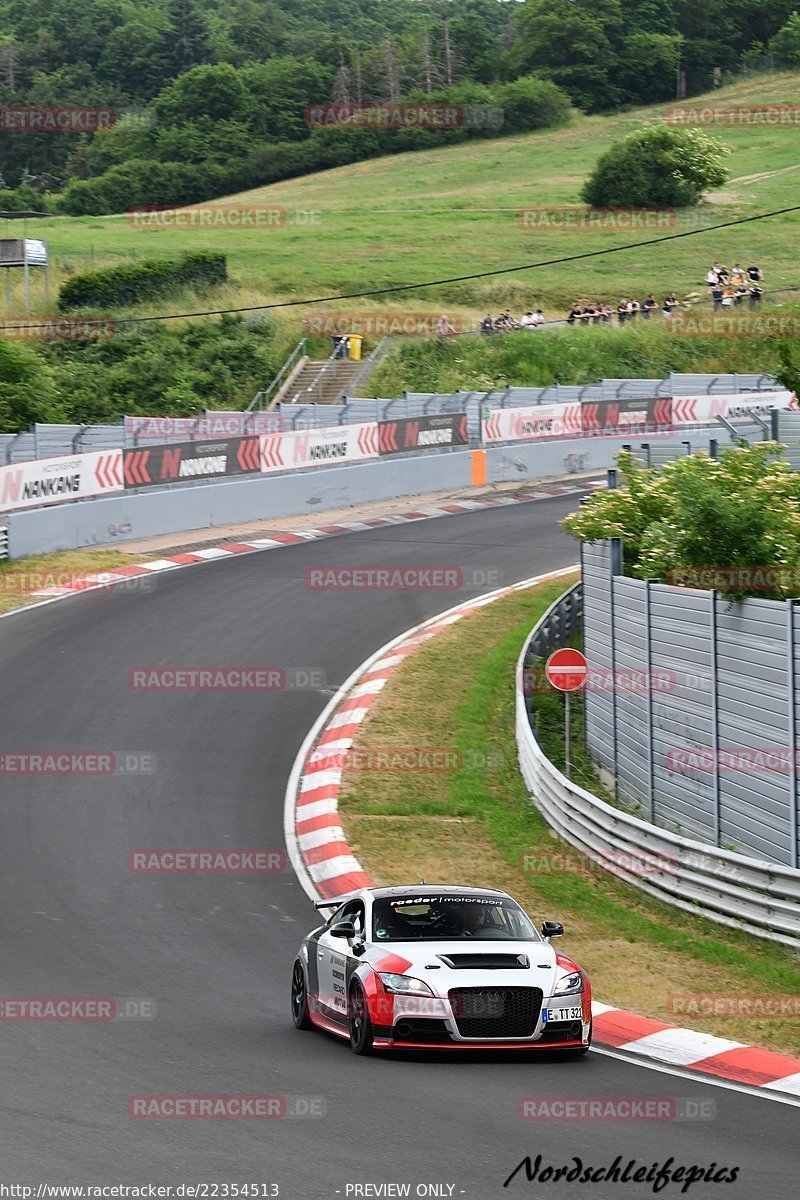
[96, 581]
[338, 872]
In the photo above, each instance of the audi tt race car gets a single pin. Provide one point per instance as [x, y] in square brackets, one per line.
[429, 967]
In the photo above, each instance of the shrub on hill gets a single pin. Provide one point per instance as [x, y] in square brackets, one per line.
[153, 279]
[659, 167]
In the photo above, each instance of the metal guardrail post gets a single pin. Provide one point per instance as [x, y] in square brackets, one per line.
[791, 699]
[716, 816]
[648, 650]
[615, 568]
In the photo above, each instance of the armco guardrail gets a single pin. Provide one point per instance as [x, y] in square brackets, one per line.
[745, 893]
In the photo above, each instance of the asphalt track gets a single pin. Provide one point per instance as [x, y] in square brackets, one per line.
[215, 952]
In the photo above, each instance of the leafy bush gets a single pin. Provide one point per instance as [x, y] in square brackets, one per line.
[27, 389]
[531, 103]
[785, 45]
[657, 166]
[153, 279]
[740, 510]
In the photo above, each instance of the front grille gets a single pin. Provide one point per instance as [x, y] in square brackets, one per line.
[506, 1012]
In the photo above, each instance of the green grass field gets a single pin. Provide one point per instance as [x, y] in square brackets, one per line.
[451, 212]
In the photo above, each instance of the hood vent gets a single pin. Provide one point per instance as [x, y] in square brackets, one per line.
[481, 961]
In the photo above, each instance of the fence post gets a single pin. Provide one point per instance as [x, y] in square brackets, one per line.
[792, 703]
[648, 638]
[716, 821]
[615, 565]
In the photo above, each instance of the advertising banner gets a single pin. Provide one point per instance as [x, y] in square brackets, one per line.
[734, 406]
[180, 462]
[627, 415]
[54, 480]
[422, 433]
[319, 447]
[532, 423]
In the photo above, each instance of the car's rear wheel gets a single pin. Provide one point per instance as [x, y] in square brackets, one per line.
[358, 1020]
[300, 998]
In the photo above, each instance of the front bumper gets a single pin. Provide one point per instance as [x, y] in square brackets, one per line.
[430, 1023]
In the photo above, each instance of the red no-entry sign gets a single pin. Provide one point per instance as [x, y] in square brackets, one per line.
[566, 670]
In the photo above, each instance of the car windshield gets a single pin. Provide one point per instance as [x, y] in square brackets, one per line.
[438, 917]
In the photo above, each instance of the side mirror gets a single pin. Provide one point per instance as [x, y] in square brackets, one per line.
[551, 929]
[343, 929]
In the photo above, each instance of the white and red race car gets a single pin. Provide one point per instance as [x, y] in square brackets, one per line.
[431, 967]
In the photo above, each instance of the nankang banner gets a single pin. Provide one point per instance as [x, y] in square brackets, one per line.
[181, 462]
[54, 480]
[422, 433]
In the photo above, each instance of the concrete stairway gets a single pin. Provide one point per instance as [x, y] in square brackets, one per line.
[330, 387]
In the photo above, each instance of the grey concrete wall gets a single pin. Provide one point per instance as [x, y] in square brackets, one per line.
[122, 517]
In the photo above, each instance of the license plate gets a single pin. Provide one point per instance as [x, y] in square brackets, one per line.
[562, 1014]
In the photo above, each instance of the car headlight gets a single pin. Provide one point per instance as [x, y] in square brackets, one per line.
[568, 984]
[405, 985]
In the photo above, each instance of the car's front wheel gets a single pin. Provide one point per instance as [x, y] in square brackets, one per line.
[359, 1022]
[300, 998]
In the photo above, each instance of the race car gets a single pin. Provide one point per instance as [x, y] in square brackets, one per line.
[430, 967]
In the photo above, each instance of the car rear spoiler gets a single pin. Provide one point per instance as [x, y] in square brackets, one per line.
[320, 904]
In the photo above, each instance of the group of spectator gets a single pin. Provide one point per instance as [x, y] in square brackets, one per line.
[499, 324]
[727, 288]
[626, 311]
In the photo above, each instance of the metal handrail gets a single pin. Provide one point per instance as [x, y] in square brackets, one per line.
[335, 357]
[262, 399]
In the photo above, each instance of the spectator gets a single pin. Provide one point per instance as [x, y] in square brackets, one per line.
[670, 302]
[755, 293]
[754, 273]
[633, 309]
[622, 311]
[728, 297]
[575, 313]
[487, 324]
[712, 276]
[444, 328]
[724, 276]
[737, 275]
[649, 306]
[740, 292]
[716, 295]
[527, 321]
[538, 318]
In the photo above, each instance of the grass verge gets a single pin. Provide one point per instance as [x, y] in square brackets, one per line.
[474, 823]
[20, 578]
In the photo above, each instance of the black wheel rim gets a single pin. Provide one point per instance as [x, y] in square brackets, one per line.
[298, 992]
[357, 1022]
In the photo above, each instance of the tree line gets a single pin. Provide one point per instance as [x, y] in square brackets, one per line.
[213, 92]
